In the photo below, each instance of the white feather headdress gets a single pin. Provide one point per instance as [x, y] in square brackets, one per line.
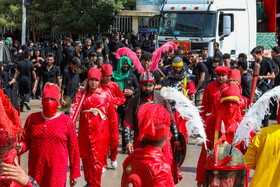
[187, 110]
[253, 119]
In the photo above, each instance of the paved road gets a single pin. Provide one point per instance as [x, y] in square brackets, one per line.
[113, 177]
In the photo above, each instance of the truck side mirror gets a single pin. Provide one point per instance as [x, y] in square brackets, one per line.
[226, 25]
[211, 49]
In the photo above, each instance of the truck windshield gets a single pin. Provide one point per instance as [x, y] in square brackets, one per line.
[187, 24]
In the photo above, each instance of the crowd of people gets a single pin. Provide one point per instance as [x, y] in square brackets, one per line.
[113, 83]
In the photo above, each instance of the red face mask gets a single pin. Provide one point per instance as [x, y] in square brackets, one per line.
[49, 108]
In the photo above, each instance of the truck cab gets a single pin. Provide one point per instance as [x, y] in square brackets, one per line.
[232, 23]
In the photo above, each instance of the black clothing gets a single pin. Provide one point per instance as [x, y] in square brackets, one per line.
[69, 55]
[86, 51]
[277, 78]
[137, 43]
[146, 45]
[49, 76]
[81, 57]
[113, 48]
[197, 70]
[58, 55]
[99, 54]
[25, 69]
[105, 52]
[70, 83]
[219, 54]
[246, 83]
[185, 59]
[265, 68]
[275, 67]
[9, 90]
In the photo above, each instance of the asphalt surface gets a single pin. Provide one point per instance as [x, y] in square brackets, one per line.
[113, 177]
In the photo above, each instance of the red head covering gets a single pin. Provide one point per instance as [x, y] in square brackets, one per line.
[106, 70]
[234, 74]
[222, 70]
[50, 90]
[94, 73]
[230, 93]
[153, 122]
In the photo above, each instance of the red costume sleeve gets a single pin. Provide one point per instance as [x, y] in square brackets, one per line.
[29, 184]
[114, 124]
[74, 155]
[119, 98]
[191, 88]
[26, 136]
[76, 103]
[205, 103]
[200, 171]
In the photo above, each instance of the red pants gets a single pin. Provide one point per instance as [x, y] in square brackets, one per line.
[92, 171]
[113, 154]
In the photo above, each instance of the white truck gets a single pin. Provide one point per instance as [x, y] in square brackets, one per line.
[232, 23]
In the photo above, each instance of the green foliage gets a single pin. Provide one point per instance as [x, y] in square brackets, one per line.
[75, 16]
[86, 16]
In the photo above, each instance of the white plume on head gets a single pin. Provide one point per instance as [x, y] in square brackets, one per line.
[187, 110]
[253, 119]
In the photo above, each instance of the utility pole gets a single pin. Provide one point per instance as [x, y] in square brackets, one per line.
[23, 27]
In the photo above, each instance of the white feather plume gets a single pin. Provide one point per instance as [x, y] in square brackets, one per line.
[253, 118]
[187, 110]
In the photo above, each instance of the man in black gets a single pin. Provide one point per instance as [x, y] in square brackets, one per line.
[78, 50]
[69, 52]
[265, 76]
[246, 77]
[218, 53]
[201, 80]
[99, 48]
[88, 48]
[275, 53]
[105, 51]
[48, 72]
[114, 46]
[25, 69]
[70, 81]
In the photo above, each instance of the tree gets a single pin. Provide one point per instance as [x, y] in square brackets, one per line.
[86, 16]
[10, 16]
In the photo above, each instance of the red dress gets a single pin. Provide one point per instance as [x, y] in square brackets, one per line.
[155, 160]
[49, 143]
[210, 96]
[98, 120]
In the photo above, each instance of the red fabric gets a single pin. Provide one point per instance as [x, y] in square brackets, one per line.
[94, 73]
[29, 184]
[153, 122]
[49, 108]
[50, 144]
[228, 90]
[221, 70]
[156, 161]
[106, 69]
[270, 7]
[115, 90]
[235, 75]
[50, 91]
[93, 129]
[191, 88]
[210, 96]
[92, 171]
[181, 124]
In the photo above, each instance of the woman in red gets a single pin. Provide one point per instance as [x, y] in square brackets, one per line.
[97, 121]
[51, 139]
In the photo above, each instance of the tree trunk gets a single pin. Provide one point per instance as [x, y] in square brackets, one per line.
[34, 35]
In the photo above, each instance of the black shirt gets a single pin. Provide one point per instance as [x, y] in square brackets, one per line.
[70, 83]
[99, 54]
[265, 68]
[277, 78]
[246, 83]
[86, 51]
[49, 76]
[219, 54]
[25, 68]
[197, 70]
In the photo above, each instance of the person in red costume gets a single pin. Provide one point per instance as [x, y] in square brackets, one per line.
[154, 124]
[51, 139]
[212, 92]
[98, 120]
[10, 130]
[234, 76]
[147, 94]
[118, 99]
[224, 121]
